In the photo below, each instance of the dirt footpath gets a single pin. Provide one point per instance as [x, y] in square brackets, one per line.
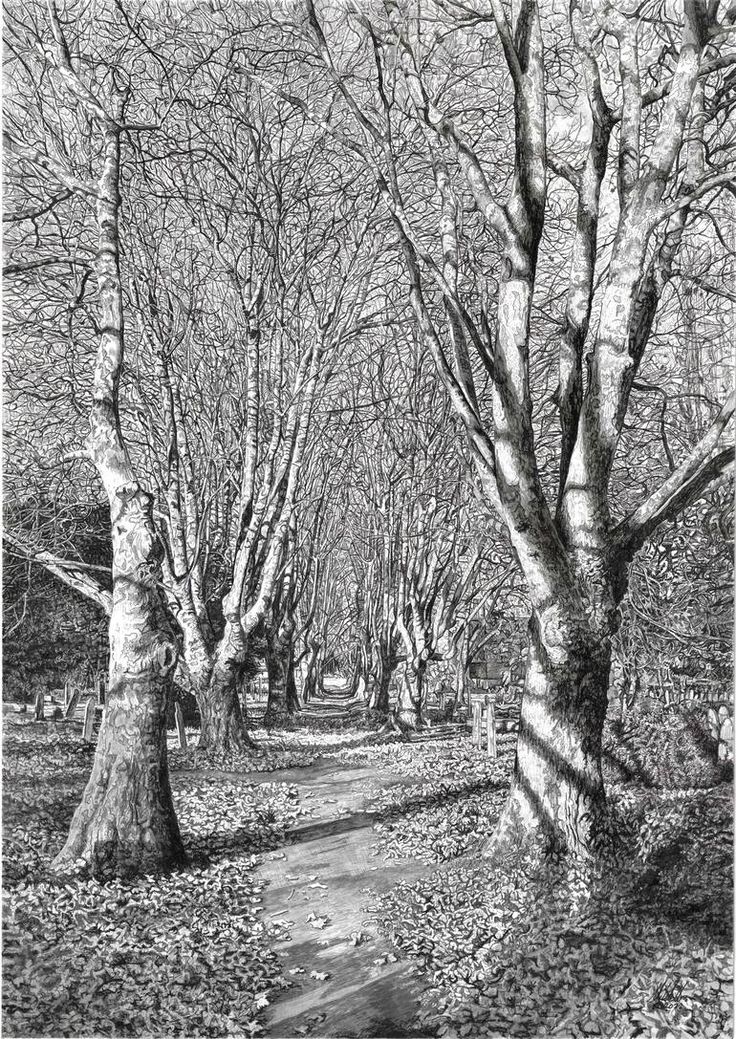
[326, 878]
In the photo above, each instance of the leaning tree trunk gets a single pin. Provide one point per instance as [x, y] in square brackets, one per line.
[125, 823]
[557, 802]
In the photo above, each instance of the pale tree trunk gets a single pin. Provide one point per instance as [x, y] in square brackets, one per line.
[312, 671]
[574, 562]
[125, 823]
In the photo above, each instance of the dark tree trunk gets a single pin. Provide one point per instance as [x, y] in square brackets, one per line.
[378, 698]
[283, 699]
[557, 801]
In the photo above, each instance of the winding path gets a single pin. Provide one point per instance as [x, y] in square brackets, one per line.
[321, 886]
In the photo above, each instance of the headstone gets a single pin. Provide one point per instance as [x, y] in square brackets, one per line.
[38, 706]
[726, 737]
[723, 713]
[179, 716]
[89, 717]
[73, 704]
[66, 695]
[101, 691]
[713, 723]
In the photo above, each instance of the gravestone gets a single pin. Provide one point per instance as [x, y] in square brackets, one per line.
[89, 717]
[38, 706]
[73, 704]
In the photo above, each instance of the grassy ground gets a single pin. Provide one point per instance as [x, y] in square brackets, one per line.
[348, 826]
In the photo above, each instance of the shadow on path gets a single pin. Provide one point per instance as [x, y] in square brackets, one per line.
[321, 884]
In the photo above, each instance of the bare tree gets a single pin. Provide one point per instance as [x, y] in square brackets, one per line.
[125, 822]
[575, 552]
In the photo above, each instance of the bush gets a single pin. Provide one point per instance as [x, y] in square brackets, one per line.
[667, 748]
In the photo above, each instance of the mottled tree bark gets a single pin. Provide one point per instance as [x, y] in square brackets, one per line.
[409, 705]
[216, 678]
[125, 823]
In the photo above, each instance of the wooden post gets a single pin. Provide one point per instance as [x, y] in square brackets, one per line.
[101, 690]
[73, 703]
[66, 694]
[89, 717]
[491, 747]
[179, 716]
[477, 708]
[38, 706]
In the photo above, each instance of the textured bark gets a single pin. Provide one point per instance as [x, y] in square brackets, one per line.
[216, 686]
[283, 700]
[125, 823]
[313, 670]
[380, 681]
[409, 706]
[557, 802]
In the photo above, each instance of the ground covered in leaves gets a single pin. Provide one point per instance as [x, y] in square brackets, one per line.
[181, 955]
[639, 947]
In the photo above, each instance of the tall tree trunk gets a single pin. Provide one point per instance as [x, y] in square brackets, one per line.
[557, 802]
[461, 669]
[283, 700]
[312, 680]
[385, 666]
[125, 823]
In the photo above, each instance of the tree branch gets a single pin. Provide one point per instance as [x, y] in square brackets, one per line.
[706, 462]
